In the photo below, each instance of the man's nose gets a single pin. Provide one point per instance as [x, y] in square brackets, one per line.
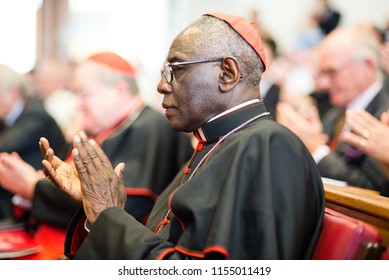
[323, 82]
[163, 86]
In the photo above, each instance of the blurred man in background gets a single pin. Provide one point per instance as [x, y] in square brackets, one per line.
[23, 121]
[129, 131]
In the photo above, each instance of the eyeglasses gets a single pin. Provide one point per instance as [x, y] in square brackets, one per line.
[332, 72]
[167, 69]
[88, 91]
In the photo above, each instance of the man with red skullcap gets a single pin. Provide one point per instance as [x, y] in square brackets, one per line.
[129, 131]
[250, 191]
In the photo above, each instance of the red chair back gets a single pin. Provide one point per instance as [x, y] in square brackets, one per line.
[345, 238]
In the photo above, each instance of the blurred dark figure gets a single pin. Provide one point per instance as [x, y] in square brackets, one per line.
[269, 88]
[326, 16]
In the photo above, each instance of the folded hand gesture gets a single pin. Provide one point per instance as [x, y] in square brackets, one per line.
[62, 174]
[102, 187]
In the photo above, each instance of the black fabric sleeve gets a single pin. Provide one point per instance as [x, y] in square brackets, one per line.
[51, 206]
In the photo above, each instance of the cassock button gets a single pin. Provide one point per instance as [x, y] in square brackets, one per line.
[199, 146]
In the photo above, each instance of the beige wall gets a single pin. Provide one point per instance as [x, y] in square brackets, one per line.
[284, 18]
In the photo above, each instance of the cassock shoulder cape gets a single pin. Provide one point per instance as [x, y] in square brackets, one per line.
[257, 195]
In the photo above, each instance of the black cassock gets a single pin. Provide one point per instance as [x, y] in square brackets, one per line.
[255, 194]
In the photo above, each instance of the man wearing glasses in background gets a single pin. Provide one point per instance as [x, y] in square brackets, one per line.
[348, 68]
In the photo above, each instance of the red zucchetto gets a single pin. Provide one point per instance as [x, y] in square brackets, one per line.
[114, 61]
[245, 29]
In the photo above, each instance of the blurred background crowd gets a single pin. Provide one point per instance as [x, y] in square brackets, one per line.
[140, 31]
[309, 73]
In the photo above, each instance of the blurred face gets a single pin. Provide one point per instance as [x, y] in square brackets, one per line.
[192, 97]
[342, 77]
[97, 102]
[50, 76]
[7, 101]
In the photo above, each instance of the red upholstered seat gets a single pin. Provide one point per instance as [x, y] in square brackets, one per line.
[51, 239]
[345, 238]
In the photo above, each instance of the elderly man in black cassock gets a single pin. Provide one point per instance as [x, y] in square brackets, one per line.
[250, 191]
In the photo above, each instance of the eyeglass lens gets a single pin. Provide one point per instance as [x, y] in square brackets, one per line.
[167, 72]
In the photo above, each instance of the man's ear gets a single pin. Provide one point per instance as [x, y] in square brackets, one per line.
[230, 74]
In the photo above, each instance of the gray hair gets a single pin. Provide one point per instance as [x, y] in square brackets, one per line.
[220, 39]
[356, 44]
[366, 47]
[10, 79]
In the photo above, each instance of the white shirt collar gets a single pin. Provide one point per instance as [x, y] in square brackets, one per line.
[364, 99]
[237, 107]
[15, 112]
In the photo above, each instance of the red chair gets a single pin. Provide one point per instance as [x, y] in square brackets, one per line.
[52, 241]
[346, 238]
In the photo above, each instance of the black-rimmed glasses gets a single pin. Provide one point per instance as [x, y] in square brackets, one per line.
[167, 69]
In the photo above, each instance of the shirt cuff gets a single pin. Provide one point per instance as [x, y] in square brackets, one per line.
[21, 202]
[320, 153]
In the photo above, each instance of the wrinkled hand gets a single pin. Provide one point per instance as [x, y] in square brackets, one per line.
[62, 174]
[307, 127]
[17, 176]
[102, 187]
[368, 134]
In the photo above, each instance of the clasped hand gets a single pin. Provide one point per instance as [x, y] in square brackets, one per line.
[307, 127]
[91, 180]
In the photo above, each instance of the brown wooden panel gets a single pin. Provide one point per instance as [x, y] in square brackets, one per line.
[362, 204]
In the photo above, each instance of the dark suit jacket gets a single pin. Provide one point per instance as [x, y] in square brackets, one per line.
[349, 164]
[271, 99]
[23, 137]
[386, 83]
[322, 102]
[330, 21]
[152, 152]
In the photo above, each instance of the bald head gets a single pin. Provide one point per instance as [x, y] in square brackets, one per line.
[351, 43]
